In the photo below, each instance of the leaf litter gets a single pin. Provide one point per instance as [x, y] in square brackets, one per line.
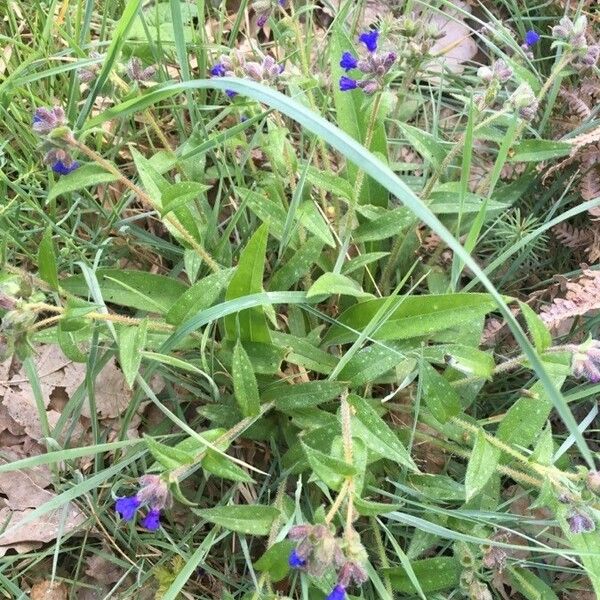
[21, 436]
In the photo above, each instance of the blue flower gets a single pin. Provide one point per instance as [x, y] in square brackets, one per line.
[127, 507]
[348, 62]
[218, 70]
[231, 93]
[532, 37]
[151, 521]
[295, 561]
[369, 39]
[347, 83]
[63, 168]
[337, 593]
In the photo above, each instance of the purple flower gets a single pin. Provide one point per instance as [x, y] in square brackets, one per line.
[151, 521]
[347, 83]
[64, 168]
[218, 70]
[532, 37]
[295, 561]
[230, 93]
[261, 21]
[47, 119]
[369, 39]
[580, 523]
[127, 507]
[348, 61]
[282, 3]
[337, 593]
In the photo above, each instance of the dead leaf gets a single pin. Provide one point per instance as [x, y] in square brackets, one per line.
[59, 379]
[25, 489]
[49, 590]
[41, 530]
[457, 46]
[103, 570]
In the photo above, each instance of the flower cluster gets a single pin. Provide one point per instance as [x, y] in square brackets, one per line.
[51, 124]
[137, 72]
[235, 65]
[580, 522]
[89, 73]
[573, 36]
[154, 494]
[376, 65]
[264, 8]
[530, 40]
[499, 72]
[524, 101]
[318, 549]
[586, 361]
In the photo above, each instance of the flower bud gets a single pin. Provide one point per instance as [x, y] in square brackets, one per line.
[593, 481]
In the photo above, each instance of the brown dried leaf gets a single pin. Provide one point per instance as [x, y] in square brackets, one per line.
[59, 378]
[49, 590]
[103, 570]
[583, 296]
[457, 46]
[25, 489]
[41, 530]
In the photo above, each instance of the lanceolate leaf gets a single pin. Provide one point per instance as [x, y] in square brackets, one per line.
[253, 520]
[244, 382]
[376, 434]
[414, 316]
[248, 280]
[482, 465]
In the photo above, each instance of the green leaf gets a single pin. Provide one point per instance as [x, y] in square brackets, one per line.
[526, 418]
[135, 289]
[330, 284]
[180, 194]
[298, 265]
[440, 397]
[267, 209]
[530, 585]
[430, 148]
[482, 465]
[331, 470]
[367, 508]
[361, 261]
[47, 260]
[376, 435]
[388, 224]
[372, 362]
[85, 176]
[199, 297]
[539, 150]
[168, 456]
[246, 280]
[433, 574]
[542, 339]
[244, 382]
[302, 395]
[275, 560]
[253, 520]
[314, 222]
[222, 467]
[330, 182]
[413, 316]
[131, 341]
